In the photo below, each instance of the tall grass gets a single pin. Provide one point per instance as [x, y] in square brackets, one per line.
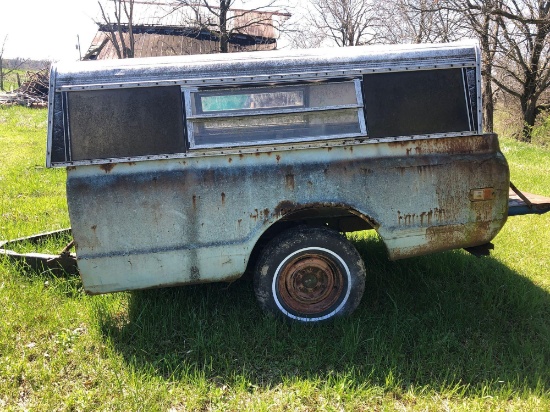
[442, 332]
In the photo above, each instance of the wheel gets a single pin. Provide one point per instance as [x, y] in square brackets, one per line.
[309, 275]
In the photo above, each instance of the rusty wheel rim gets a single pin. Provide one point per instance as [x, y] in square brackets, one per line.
[311, 284]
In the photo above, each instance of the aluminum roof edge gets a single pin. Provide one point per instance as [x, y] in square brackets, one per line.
[265, 63]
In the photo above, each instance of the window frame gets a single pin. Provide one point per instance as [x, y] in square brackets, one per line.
[192, 119]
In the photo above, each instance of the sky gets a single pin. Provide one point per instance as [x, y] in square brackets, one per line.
[42, 29]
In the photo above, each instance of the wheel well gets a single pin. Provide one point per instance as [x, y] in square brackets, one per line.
[339, 218]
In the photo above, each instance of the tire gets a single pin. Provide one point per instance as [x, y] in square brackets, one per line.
[309, 275]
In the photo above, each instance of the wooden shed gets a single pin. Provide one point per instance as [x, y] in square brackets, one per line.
[163, 29]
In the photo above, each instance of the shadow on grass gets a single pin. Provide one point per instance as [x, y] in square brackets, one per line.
[437, 321]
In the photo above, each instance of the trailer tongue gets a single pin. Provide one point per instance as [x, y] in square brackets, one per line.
[522, 203]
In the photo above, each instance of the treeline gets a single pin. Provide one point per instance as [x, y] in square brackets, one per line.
[26, 64]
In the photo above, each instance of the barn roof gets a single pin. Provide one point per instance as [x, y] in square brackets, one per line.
[164, 29]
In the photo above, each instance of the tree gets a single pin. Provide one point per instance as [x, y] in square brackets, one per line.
[524, 65]
[344, 22]
[8, 66]
[223, 21]
[417, 21]
[124, 45]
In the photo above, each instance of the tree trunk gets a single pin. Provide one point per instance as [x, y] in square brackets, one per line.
[487, 71]
[224, 35]
[529, 109]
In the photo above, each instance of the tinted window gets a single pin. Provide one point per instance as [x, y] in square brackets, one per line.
[418, 102]
[125, 122]
[251, 101]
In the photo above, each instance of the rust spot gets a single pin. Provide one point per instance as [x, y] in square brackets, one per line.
[278, 158]
[289, 181]
[425, 217]
[241, 155]
[107, 167]
[94, 227]
[449, 145]
[230, 159]
[399, 143]
[257, 154]
[239, 222]
[409, 150]
[266, 213]
[284, 207]
[71, 167]
[131, 163]
[194, 201]
[329, 148]
[223, 198]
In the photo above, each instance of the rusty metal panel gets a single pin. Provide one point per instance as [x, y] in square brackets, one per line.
[179, 221]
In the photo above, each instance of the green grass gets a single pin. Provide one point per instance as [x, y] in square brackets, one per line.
[441, 332]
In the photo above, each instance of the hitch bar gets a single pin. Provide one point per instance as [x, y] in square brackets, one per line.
[64, 262]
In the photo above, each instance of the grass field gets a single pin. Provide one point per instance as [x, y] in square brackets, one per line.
[442, 332]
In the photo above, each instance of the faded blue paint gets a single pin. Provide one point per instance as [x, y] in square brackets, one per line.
[178, 221]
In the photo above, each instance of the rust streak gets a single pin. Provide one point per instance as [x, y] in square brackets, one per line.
[107, 167]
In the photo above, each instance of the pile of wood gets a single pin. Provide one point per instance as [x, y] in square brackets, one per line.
[32, 93]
